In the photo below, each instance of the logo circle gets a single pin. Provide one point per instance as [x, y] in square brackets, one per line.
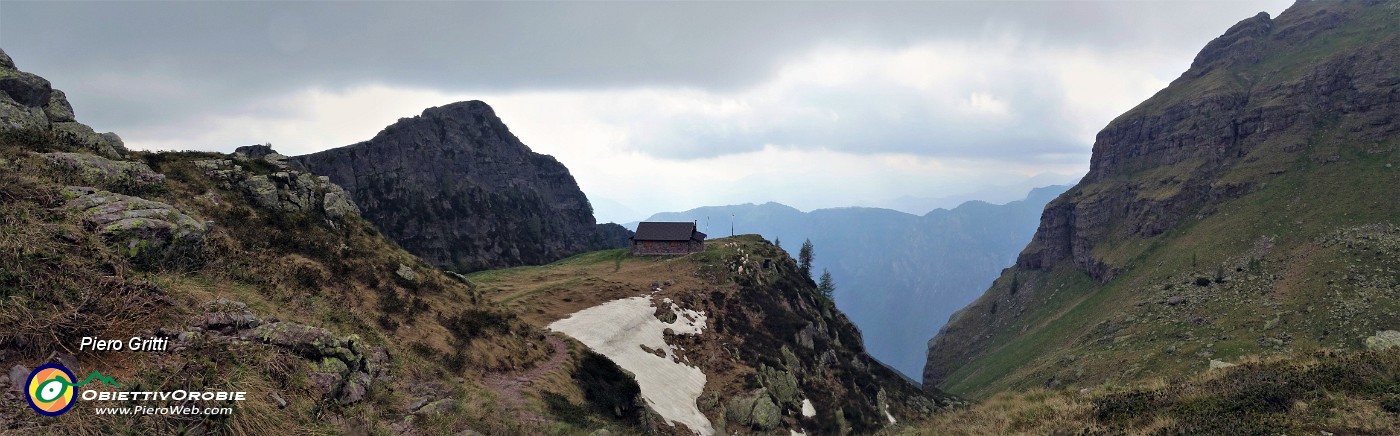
[50, 389]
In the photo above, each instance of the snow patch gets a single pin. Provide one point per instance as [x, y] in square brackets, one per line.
[619, 329]
[807, 409]
[891, 417]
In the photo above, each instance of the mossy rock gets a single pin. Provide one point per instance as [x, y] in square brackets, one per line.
[781, 385]
[766, 414]
[739, 410]
[122, 176]
[152, 234]
[88, 138]
[1383, 340]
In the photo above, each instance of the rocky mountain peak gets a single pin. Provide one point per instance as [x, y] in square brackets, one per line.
[1239, 44]
[456, 187]
[456, 110]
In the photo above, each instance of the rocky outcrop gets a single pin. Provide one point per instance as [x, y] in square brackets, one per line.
[455, 187]
[150, 233]
[264, 177]
[28, 101]
[92, 170]
[1383, 340]
[342, 367]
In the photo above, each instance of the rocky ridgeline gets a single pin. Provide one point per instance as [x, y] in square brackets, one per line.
[28, 101]
[456, 188]
[1270, 110]
[1236, 104]
[804, 362]
[280, 187]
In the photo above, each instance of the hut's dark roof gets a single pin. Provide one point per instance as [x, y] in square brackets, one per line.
[667, 231]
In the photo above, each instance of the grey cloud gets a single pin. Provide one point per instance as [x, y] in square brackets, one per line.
[884, 118]
[130, 65]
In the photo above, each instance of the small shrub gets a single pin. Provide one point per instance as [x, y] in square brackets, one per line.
[474, 323]
[1202, 281]
[1391, 403]
[610, 390]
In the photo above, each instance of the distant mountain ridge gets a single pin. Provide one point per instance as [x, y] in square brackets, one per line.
[456, 188]
[898, 275]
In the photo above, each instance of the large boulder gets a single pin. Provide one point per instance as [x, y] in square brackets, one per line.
[58, 108]
[125, 176]
[17, 116]
[5, 62]
[781, 385]
[28, 101]
[1383, 340]
[89, 139]
[766, 414]
[25, 88]
[150, 233]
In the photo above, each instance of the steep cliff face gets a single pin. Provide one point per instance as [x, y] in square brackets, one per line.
[1282, 131]
[455, 187]
[1251, 102]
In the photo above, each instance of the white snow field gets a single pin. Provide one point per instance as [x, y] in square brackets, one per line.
[618, 329]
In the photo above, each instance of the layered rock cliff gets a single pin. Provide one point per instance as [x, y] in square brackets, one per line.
[1281, 131]
[455, 187]
[1252, 87]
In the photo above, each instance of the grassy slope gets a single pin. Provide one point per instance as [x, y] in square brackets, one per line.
[1288, 214]
[1305, 264]
[1275, 247]
[1316, 393]
[60, 282]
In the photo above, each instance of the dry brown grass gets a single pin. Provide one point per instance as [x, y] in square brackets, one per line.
[1340, 393]
[59, 282]
[1037, 412]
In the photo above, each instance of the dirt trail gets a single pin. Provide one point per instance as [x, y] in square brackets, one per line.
[509, 384]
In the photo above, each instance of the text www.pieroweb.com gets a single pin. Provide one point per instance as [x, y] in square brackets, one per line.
[175, 410]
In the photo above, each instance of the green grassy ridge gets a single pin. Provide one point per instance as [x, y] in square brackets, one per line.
[1293, 209]
[1303, 186]
[1361, 30]
[1323, 392]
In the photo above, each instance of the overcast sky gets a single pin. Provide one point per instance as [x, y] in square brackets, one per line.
[652, 106]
